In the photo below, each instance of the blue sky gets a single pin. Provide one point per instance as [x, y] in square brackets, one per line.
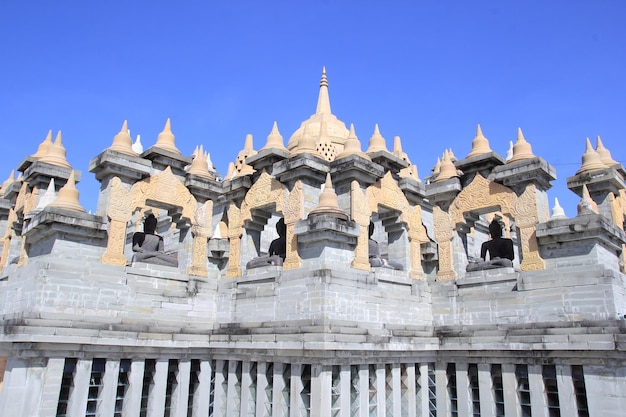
[426, 71]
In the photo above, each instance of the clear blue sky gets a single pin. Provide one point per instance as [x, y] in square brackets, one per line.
[428, 71]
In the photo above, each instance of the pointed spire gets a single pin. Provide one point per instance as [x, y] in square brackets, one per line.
[323, 101]
[68, 196]
[122, 142]
[199, 164]
[509, 152]
[377, 142]
[43, 146]
[605, 155]
[274, 139]
[56, 153]
[437, 167]
[137, 146]
[397, 149]
[231, 171]
[48, 197]
[447, 169]
[328, 202]
[521, 149]
[166, 139]
[557, 210]
[352, 146]
[586, 204]
[590, 160]
[8, 181]
[241, 167]
[306, 144]
[480, 144]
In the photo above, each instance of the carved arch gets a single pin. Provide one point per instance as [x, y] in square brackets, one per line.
[163, 188]
[481, 194]
[386, 192]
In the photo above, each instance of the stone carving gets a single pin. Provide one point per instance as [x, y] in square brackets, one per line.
[235, 229]
[480, 194]
[294, 211]
[119, 213]
[443, 234]
[201, 232]
[264, 192]
[361, 215]
[526, 220]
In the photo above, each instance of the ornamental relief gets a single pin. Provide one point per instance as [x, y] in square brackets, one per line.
[526, 208]
[265, 191]
[294, 209]
[482, 193]
[120, 202]
[386, 193]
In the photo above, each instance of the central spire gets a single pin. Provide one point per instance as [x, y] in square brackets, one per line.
[323, 102]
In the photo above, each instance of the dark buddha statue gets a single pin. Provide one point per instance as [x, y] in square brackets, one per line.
[148, 246]
[500, 250]
[277, 251]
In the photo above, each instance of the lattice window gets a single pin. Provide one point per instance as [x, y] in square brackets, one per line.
[305, 394]
[285, 394]
[194, 383]
[552, 390]
[578, 378]
[432, 391]
[452, 392]
[327, 150]
[223, 389]
[237, 387]
[67, 385]
[335, 391]
[212, 388]
[498, 389]
[472, 375]
[523, 389]
[172, 384]
[372, 389]
[95, 387]
[355, 391]
[148, 384]
[122, 386]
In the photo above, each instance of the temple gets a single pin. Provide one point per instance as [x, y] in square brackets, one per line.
[91, 329]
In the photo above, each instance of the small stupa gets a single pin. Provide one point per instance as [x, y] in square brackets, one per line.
[521, 149]
[166, 139]
[591, 160]
[274, 139]
[328, 204]
[56, 153]
[480, 144]
[68, 196]
[377, 142]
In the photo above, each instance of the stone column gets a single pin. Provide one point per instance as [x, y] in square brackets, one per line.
[261, 386]
[538, 402]
[246, 386]
[132, 401]
[464, 400]
[219, 390]
[485, 391]
[567, 395]
[441, 383]
[77, 403]
[380, 391]
[233, 398]
[345, 390]
[364, 390]
[509, 384]
[321, 385]
[280, 407]
[203, 392]
[295, 388]
[109, 388]
[606, 390]
[27, 380]
[424, 401]
[396, 389]
[156, 399]
[180, 396]
[411, 390]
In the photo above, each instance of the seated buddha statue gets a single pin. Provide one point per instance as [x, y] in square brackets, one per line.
[374, 253]
[500, 250]
[277, 251]
[148, 246]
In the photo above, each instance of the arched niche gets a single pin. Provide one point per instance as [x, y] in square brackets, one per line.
[387, 200]
[266, 197]
[165, 191]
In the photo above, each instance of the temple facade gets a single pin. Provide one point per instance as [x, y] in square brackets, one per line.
[429, 330]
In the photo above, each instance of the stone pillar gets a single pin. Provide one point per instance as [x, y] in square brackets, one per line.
[606, 390]
[464, 399]
[26, 388]
[280, 407]
[345, 391]
[203, 392]
[538, 402]
[441, 194]
[485, 391]
[246, 387]
[411, 390]
[396, 389]
[441, 383]
[380, 391]
[261, 386]
[321, 385]
[109, 388]
[132, 401]
[77, 403]
[180, 396]
[364, 390]
[509, 384]
[565, 385]
[233, 395]
[156, 399]
[295, 388]
[219, 390]
[424, 401]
